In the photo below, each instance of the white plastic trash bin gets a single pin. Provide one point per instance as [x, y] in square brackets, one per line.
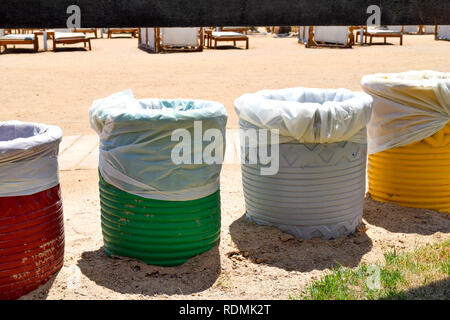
[318, 190]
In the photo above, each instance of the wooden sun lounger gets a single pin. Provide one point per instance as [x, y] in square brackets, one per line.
[59, 38]
[19, 39]
[133, 31]
[380, 33]
[386, 35]
[225, 36]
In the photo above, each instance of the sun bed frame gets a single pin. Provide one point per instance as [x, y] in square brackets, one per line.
[372, 35]
[5, 42]
[86, 41]
[368, 35]
[210, 38]
[133, 31]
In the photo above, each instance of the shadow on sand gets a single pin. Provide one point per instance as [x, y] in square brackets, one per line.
[134, 277]
[272, 247]
[405, 220]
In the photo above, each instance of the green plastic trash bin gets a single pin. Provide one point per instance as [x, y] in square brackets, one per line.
[154, 209]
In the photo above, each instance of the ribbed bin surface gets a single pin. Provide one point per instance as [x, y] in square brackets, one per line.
[317, 193]
[417, 175]
[164, 233]
[31, 241]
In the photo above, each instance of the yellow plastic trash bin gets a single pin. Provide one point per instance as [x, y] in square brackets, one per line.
[409, 139]
[416, 175]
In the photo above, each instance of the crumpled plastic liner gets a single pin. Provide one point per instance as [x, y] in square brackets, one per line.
[408, 107]
[28, 158]
[307, 115]
[136, 147]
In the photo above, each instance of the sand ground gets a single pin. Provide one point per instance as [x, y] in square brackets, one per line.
[251, 262]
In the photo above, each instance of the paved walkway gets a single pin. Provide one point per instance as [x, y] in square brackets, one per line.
[81, 152]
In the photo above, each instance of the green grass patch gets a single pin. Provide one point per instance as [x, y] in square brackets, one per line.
[420, 274]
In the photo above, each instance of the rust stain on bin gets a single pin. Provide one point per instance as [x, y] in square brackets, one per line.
[31, 241]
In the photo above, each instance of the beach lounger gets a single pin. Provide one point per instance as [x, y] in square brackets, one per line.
[378, 32]
[19, 39]
[225, 36]
[86, 31]
[134, 32]
[443, 33]
[330, 36]
[181, 39]
[70, 38]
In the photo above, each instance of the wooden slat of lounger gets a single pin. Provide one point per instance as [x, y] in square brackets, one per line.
[77, 152]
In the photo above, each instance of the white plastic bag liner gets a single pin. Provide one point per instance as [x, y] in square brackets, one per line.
[28, 158]
[443, 32]
[69, 35]
[408, 107]
[180, 37]
[136, 147]
[333, 34]
[307, 115]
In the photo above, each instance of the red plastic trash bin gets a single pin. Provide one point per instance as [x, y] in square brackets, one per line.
[31, 215]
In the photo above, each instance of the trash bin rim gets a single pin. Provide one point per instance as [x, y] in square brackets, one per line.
[47, 135]
[353, 98]
[142, 112]
[331, 115]
[427, 78]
